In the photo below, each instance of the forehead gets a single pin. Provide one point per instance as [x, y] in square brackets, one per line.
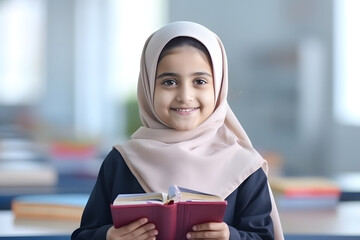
[191, 54]
[184, 41]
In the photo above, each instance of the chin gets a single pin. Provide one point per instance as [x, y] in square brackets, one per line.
[184, 128]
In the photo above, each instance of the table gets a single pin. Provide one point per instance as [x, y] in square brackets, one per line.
[66, 184]
[343, 220]
[11, 227]
[342, 223]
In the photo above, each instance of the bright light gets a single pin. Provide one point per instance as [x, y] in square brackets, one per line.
[21, 51]
[135, 26]
[346, 61]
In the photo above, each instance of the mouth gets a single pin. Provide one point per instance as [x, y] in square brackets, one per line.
[184, 109]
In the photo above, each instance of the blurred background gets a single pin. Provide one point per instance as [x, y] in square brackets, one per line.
[68, 75]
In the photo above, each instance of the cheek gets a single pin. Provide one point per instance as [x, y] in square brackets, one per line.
[156, 105]
[160, 102]
[209, 101]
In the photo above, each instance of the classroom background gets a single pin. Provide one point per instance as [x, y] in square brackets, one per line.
[69, 69]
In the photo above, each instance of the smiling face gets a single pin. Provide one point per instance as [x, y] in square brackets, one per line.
[184, 88]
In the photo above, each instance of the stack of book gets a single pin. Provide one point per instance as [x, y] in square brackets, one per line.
[23, 165]
[64, 207]
[75, 157]
[305, 192]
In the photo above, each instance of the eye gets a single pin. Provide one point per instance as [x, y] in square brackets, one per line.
[169, 82]
[200, 82]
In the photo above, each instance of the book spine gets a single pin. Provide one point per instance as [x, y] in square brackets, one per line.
[303, 192]
[165, 221]
[163, 216]
[306, 202]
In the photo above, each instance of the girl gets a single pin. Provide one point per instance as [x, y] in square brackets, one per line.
[191, 138]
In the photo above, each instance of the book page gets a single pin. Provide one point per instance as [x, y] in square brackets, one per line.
[140, 198]
[140, 202]
[191, 195]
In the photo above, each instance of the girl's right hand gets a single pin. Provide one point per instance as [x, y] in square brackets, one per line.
[139, 230]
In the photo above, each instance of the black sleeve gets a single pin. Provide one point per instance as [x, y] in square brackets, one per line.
[251, 216]
[114, 177]
[248, 212]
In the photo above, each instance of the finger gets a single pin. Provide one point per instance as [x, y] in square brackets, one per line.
[211, 226]
[208, 235]
[132, 226]
[144, 232]
[210, 231]
[204, 235]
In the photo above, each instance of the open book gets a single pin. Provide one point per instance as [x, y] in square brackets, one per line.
[174, 213]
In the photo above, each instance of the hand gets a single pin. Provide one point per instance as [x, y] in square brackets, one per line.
[212, 230]
[139, 230]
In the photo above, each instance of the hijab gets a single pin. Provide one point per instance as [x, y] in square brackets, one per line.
[215, 157]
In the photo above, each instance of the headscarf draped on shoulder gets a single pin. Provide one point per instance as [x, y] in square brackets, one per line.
[216, 157]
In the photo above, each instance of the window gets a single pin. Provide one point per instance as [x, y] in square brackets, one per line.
[109, 40]
[346, 62]
[21, 51]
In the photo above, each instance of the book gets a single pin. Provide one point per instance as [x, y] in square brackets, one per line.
[76, 157]
[27, 173]
[67, 207]
[22, 164]
[349, 184]
[305, 192]
[173, 213]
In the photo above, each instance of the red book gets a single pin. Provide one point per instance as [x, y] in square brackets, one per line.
[305, 187]
[305, 192]
[173, 214]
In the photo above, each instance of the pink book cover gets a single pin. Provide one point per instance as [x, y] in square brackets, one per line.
[172, 221]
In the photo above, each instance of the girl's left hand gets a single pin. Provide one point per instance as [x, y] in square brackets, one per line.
[210, 230]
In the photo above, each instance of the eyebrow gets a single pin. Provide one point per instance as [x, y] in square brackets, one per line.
[170, 74]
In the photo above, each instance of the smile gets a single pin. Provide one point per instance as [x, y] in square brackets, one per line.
[184, 109]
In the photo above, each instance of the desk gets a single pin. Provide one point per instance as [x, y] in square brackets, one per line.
[342, 223]
[11, 227]
[66, 184]
[344, 220]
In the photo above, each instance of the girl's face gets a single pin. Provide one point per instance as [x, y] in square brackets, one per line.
[184, 88]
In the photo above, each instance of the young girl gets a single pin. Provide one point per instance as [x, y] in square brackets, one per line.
[190, 138]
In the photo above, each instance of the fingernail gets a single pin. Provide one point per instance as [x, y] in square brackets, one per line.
[188, 235]
[194, 228]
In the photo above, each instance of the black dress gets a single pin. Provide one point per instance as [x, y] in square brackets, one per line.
[247, 213]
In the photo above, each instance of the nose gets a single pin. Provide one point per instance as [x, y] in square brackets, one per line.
[185, 93]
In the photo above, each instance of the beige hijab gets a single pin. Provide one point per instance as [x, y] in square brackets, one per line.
[216, 157]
